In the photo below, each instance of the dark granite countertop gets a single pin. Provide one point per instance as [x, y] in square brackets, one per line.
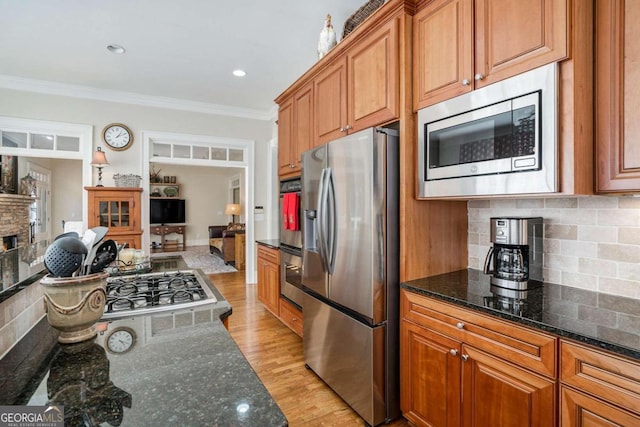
[183, 369]
[272, 243]
[607, 321]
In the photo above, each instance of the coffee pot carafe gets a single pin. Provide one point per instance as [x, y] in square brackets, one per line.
[515, 259]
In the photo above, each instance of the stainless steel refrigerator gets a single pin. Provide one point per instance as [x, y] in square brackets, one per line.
[350, 269]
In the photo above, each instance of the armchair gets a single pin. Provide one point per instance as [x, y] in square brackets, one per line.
[222, 240]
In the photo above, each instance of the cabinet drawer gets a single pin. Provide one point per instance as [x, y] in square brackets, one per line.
[156, 230]
[268, 254]
[521, 345]
[610, 377]
[291, 316]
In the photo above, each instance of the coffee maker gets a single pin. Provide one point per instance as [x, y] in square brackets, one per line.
[515, 259]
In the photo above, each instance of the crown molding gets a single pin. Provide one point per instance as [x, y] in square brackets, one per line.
[86, 92]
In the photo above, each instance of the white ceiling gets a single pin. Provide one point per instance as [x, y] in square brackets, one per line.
[180, 49]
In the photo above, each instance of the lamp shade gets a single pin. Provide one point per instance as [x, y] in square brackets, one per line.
[232, 209]
[99, 158]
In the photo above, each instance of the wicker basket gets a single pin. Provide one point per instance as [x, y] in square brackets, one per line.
[360, 15]
[127, 180]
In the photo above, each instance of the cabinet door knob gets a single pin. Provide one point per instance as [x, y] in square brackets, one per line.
[464, 357]
[479, 77]
[460, 325]
[343, 129]
[347, 127]
[466, 82]
[453, 352]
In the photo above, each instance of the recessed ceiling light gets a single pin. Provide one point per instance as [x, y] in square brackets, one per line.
[239, 73]
[115, 48]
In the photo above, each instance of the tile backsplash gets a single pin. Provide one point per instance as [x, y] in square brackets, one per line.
[590, 242]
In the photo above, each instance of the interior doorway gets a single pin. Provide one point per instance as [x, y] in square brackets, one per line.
[201, 150]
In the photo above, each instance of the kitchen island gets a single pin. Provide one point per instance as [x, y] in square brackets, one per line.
[178, 367]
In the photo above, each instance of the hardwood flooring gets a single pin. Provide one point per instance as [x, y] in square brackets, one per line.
[275, 353]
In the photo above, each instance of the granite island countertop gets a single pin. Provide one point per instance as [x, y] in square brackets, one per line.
[603, 320]
[183, 368]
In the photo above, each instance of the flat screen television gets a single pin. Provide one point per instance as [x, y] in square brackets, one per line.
[167, 211]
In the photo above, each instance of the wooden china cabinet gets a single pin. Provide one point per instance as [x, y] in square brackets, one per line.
[119, 209]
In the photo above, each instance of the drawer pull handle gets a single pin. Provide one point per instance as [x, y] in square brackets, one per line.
[460, 325]
[465, 357]
[453, 352]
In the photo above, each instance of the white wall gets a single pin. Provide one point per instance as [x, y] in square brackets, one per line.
[590, 243]
[138, 118]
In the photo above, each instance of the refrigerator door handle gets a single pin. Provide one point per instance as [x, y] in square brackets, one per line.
[320, 220]
[332, 237]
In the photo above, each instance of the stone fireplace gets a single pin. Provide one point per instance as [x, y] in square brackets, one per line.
[14, 219]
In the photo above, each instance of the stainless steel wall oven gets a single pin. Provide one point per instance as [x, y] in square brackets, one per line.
[290, 246]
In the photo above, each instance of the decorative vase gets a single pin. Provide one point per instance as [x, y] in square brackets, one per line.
[74, 304]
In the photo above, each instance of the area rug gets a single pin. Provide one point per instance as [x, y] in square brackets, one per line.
[202, 259]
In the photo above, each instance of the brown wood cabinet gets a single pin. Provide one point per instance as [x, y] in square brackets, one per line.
[291, 316]
[617, 96]
[359, 89]
[269, 278]
[510, 37]
[295, 130]
[463, 368]
[598, 388]
[119, 209]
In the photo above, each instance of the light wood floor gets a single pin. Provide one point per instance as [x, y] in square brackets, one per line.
[275, 353]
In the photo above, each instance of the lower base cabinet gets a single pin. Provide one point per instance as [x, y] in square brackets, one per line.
[269, 289]
[452, 373]
[291, 316]
[269, 278]
[463, 368]
[581, 409]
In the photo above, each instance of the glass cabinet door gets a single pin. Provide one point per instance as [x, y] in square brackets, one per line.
[114, 213]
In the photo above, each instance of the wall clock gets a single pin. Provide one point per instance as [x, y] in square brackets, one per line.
[117, 136]
[121, 340]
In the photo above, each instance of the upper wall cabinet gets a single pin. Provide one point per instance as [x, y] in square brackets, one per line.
[295, 130]
[617, 96]
[510, 37]
[360, 88]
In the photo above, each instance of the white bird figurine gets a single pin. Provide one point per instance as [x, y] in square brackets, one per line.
[327, 38]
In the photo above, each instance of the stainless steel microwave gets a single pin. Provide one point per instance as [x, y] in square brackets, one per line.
[500, 139]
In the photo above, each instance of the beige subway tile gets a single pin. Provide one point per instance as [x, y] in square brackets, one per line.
[598, 267]
[566, 232]
[588, 233]
[629, 271]
[619, 217]
[561, 202]
[625, 288]
[472, 238]
[577, 217]
[579, 249]
[580, 281]
[630, 235]
[552, 246]
[562, 263]
[530, 204]
[598, 202]
[629, 203]
[503, 204]
[552, 276]
[478, 204]
[621, 253]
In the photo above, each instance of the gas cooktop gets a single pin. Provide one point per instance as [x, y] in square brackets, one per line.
[153, 292]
